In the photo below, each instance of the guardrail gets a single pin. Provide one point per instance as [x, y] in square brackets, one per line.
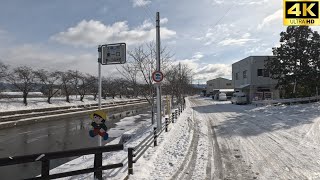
[86, 106]
[46, 157]
[37, 113]
[135, 153]
[287, 101]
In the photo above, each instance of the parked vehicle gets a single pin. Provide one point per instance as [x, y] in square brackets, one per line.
[239, 98]
[222, 97]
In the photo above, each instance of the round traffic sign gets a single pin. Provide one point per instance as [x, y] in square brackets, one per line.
[157, 76]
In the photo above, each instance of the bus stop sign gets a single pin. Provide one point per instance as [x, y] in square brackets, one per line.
[112, 54]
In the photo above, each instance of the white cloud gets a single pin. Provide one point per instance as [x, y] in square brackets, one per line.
[39, 57]
[216, 33]
[205, 72]
[197, 55]
[91, 33]
[140, 3]
[273, 17]
[236, 42]
[242, 2]
[212, 71]
[164, 20]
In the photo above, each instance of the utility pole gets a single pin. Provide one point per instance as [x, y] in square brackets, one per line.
[158, 69]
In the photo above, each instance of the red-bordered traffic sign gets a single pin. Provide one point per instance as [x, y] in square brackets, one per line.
[157, 76]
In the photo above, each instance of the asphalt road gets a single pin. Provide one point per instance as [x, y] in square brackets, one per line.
[59, 135]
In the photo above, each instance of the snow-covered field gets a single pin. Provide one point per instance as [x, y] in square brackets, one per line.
[218, 140]
[14, 104]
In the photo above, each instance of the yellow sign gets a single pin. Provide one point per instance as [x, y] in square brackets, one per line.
[301, 12]
[100, 113]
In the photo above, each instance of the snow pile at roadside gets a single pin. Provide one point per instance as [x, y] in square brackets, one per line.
[14, 104]
[163, 161]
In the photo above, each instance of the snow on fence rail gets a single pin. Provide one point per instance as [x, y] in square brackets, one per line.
[287, 101]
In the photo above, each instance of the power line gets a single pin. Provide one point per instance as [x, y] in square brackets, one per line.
[147, 12]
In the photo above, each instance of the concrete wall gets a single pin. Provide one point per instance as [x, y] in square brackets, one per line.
[239, 67]
[258, 62]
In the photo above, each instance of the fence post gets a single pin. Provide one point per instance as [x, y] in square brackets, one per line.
[45, 168]
[167, 124]
[155, 136]
[172, 119]
[97, 165]
[176, 114]
[130, 160]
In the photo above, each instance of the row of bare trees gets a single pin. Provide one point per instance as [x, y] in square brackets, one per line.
[26, 80]
[136, 78]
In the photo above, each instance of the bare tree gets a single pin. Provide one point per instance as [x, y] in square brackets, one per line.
[81, 83]
[110, 87]
[50, 82]
[178, 81]
[3, 74]
[130, 72]
[23, 79]
[93, 89]
[142, 64]
[66, 83]
[3, 71]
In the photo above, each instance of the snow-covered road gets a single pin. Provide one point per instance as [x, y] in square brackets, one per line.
[246, 142]
[219, 140]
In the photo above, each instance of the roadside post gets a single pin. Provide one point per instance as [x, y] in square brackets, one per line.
[109, 54]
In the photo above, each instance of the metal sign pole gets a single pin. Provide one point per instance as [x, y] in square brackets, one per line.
[158, 69]
[99, 94]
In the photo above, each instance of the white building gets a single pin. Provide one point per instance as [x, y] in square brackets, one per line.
[251, 77]
[215, 85]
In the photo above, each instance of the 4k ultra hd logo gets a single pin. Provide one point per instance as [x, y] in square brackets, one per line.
[301, 13]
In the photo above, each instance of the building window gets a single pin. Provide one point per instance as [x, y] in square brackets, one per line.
[266, 73]
[263, 73]
[260, 72]
[228, 84]
[245, 74]
[237, 76]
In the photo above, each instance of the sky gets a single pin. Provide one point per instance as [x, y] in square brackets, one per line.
[206, 35]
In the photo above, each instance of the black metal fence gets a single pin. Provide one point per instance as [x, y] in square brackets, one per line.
[45, 158]
[134, 153]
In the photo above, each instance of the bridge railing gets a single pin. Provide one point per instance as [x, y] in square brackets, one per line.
[45, 158]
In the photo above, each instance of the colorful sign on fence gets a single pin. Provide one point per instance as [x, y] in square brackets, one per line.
[98, 123]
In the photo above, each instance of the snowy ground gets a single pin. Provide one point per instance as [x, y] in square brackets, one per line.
[218, 140]
[14, 104]
[240, 142]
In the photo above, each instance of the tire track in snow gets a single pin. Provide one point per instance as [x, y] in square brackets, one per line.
[215, 151]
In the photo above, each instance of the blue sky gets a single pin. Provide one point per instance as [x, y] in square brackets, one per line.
[207, 35]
